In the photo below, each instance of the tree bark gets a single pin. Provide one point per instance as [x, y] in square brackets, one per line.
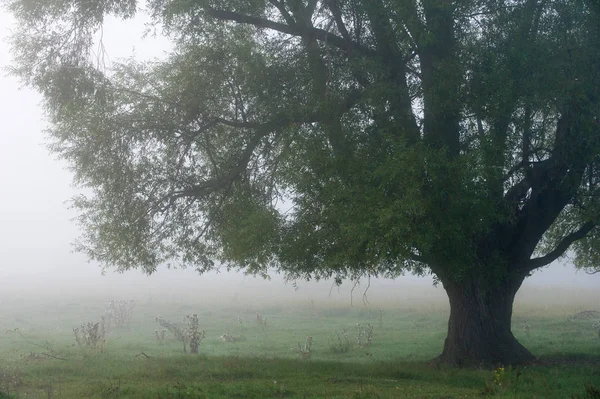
[479, 328]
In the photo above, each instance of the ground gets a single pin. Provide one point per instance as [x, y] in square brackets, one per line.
[40, 358]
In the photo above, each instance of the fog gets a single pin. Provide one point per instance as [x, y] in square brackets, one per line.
[36, 230]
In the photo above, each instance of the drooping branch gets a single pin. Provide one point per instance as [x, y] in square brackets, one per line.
[561, 248]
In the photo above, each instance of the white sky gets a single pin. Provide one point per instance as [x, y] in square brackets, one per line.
[35, 226]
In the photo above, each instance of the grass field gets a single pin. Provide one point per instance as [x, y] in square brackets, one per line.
[40, 359]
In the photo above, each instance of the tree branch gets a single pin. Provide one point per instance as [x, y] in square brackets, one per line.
[518, 191]
[296, 30]
[561, 248]
[280, 5]
[280, 121]
[417, 258]
[591, 273]
[336, 11]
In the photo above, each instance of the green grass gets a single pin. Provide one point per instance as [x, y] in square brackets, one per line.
[264, 364]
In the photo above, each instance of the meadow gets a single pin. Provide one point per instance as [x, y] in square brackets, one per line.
[240, 357]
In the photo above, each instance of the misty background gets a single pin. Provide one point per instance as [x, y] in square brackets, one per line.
[36, 227]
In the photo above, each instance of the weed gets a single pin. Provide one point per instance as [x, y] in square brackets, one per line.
[91, 335]
[341, 342]
[194, 335]
[305, 350]
[160, 336]
[499, 376]
[261, 321]
[364, 337]
[228, 337]
[177, 329]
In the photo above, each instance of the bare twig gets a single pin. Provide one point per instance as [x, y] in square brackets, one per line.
[45, 347]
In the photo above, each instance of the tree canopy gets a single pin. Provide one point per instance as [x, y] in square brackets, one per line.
[330, 138]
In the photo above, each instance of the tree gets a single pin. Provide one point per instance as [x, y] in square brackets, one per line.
[336, 139]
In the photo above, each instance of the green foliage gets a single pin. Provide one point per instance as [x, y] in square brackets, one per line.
[324, 140]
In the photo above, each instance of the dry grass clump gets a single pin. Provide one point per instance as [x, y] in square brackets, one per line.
[261, 321]
[194, 335]
[341, 342]
[91, 335]
[305, 350]
[160, 336]
[228, 337]
[364, 337]
[188, 333]
[177, 329]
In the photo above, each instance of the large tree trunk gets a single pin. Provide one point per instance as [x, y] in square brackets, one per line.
[479, 329]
